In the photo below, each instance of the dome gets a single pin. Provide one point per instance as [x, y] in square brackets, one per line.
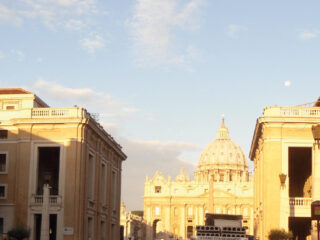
[222, 153]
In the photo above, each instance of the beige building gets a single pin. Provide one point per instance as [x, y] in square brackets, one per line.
[60, 171]
[132, 226]
[286, 165]
[173, 208]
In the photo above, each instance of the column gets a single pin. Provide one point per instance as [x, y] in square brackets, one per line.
[210, 203]
[45, 218]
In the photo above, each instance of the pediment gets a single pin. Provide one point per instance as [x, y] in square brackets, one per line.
[158, 178]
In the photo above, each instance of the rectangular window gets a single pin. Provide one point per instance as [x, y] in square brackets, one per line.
[3, 163]
[90, 228]
[190, 212]
[3, 191]
[112, 232]
[157, 211]
[114, 190]
[103, 184]
[91, 177]
[157, 189]
[10, 107]
[3, 134]
[103, 230]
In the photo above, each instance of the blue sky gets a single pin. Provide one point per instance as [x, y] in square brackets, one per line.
[162, 72]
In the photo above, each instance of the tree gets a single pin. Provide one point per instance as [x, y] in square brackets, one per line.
[279, 234]
[19, 232]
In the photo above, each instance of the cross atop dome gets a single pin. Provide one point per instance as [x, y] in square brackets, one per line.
[223, 132]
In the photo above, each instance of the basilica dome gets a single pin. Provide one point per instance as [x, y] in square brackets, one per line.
[222, 153]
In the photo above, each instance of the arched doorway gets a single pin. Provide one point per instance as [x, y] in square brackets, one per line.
[158, 232]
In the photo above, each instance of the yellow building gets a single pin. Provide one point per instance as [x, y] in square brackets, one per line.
[173, 208]
[132, 226]
[60, 171]
[284, 158]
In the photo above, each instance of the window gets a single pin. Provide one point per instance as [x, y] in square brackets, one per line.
[221, 177]
[157, 211]
[230, 177]
[10, 107]
[190, 212]
[103, 230]
[91, 177]
[3, 134]
[103, 184]
[157, 189]
[176, 211]
[3, 191]
[114, 191]
[90, 228]
[112, 233]
[3, 163]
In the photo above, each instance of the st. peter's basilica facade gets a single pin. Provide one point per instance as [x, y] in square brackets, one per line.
[173, 208]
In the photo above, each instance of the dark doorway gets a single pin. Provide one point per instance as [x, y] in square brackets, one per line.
[300, 227]
[300, 170]
[53, 227]
[121, 232]
[37, 226]
[48, 169]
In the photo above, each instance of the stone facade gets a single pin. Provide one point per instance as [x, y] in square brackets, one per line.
[285, 158]
[173, 208]
[68, 150]
[133, 227]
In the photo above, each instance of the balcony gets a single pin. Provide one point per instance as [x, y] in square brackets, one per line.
[300, 207]
[275, 111]
[55, 202]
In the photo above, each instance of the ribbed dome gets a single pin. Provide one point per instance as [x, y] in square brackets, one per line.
[222, 153]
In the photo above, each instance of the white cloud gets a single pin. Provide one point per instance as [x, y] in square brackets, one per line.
[147, 157]
[234, 30]
[75, 24]
[8, 15]
[93, 44]
[19, 55]
[154, 26]
[308, 34]
[108, 108]
[287, 83]
[53, 13]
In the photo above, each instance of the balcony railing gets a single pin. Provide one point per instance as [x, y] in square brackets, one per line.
[300, 207]
[300, 201]
[58, 113]
[275, 111]
[54, 200]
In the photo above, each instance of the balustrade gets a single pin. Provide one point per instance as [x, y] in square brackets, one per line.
[300, 201]
[292, 111]
[54, 200]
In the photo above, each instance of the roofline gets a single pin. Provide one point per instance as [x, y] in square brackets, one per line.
[256, 134]
[36, 98]
[23, 91]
